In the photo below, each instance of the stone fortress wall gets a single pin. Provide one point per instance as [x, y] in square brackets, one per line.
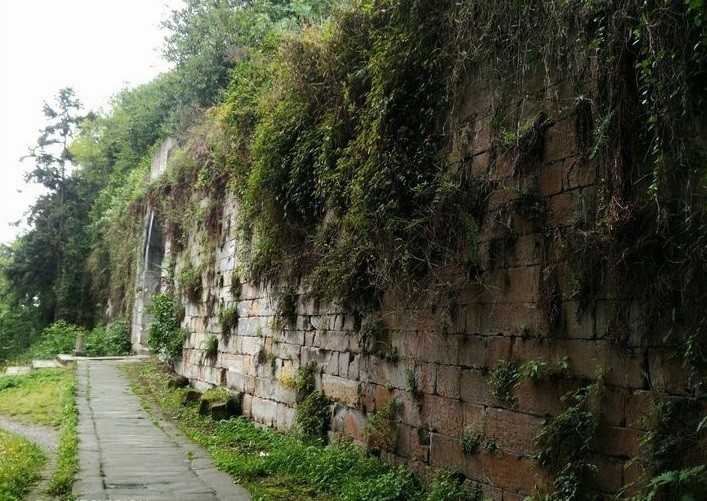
[437, 354]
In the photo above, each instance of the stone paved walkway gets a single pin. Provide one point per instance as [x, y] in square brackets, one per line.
[123, 455]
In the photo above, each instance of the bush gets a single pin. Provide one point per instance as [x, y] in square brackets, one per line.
[166, 335]
[60, 337]
[111, 340]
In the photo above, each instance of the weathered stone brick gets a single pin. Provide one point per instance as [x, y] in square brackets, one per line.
[264, 411]
[426, 377]
[512, 431]
[560, 141]
[442, 415]
[445, 451]
[543, 397]
[472, 350]
[666, 372]
[419, 444]
[474, 418]
[512, 473]
[638, 404]
[618, 442]
[474, 388]
[551, 178]
[341, 389]
[608, 476]
[354, 425]
[285, 417]
[448, 380]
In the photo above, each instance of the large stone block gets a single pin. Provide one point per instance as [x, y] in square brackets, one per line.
[448, 381]
[445, 451]
[513, 473]
[341, 389]
[512, 431]
[442, 415]
[264, 411]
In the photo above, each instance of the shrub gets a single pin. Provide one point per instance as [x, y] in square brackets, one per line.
[166, 335]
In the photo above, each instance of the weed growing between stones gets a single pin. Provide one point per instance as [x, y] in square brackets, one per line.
[228, 320]
[470, 443]
[287, 307]
[190, 282]
[211, 347]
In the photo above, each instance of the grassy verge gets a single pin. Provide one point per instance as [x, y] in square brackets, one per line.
[68, 450]
[275, 466]
[20, 466]
[46, 397]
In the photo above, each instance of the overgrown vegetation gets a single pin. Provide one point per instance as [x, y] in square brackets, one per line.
[382, 427]
[566, 443]
[165, 333]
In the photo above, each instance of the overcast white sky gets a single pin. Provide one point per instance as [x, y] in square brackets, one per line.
[95, 46]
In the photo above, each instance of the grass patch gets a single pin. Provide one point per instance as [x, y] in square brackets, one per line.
[20, 467]
[37, 397]
[46, 397]
[275, 466]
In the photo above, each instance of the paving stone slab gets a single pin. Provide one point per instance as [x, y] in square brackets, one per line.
[46, 364]
[124, 455]
[17, 371]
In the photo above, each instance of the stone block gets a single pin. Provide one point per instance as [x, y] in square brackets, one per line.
[666, 372]
[284, 418]
[638, 404]
[551, 179]
[560, 141]
[512, 431]
[608, 477]
[445, 451]
[516, 474]
[426, 377]
[264, 411]
[380, 371]
[341, 389]
[354, 425]
[472, 351]
[442, 415]
[618, 442]
[448, 381]
[566, 207]
[543, 396]
[474, 388]
[331, 366]
[251, 345]
[310, 354]
[473, 420]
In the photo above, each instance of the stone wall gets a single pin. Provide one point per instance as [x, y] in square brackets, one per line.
[437, 353]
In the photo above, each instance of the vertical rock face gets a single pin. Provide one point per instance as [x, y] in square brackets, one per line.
[467, 372]
[150, 270]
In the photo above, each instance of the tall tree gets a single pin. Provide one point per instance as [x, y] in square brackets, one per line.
[47, 266]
